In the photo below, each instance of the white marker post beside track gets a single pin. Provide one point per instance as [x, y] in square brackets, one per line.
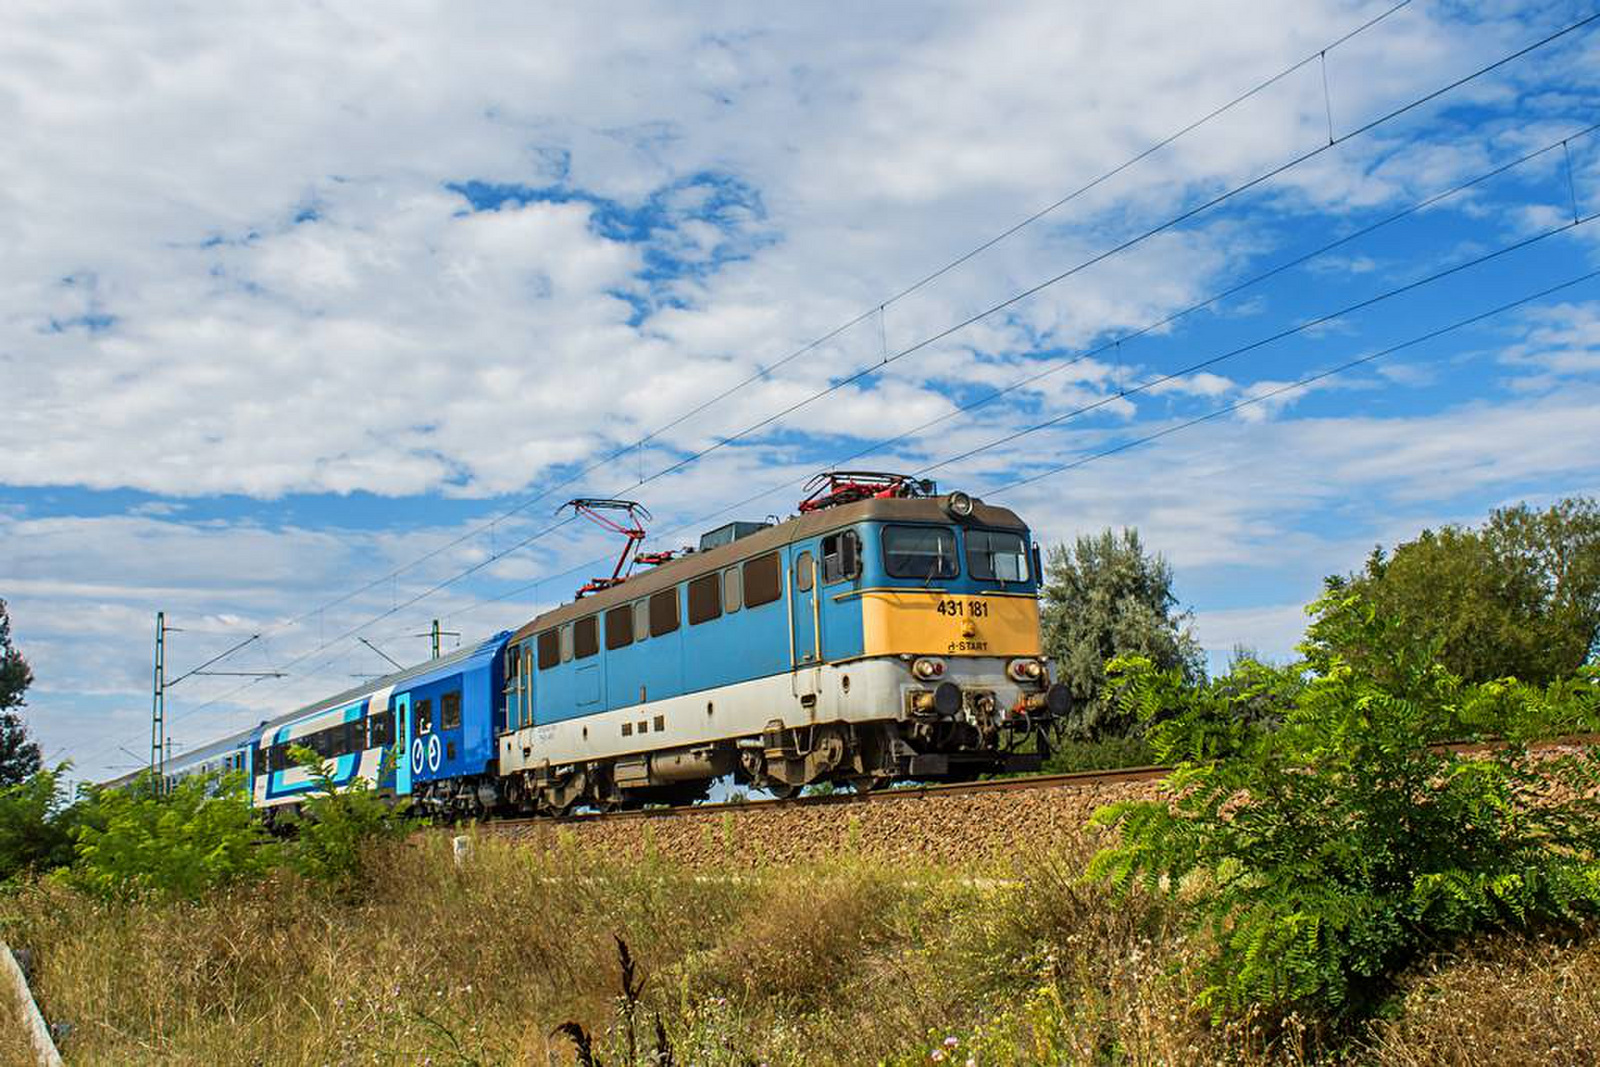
[44, 1049]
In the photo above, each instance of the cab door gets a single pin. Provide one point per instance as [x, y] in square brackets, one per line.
[805, 618]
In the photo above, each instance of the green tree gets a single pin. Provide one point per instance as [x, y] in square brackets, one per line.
[1324, 855]
[36, 824]
[19, 756]
[1518, 597]
[1104, 597]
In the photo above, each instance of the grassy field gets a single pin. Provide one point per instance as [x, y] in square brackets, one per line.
[851, 962]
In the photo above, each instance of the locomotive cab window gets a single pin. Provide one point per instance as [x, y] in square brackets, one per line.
[921, 552]
[619, 627]
[450, 711]
[586, 637]
[841, 557]
[763, 580]
[705, 599]
[996, 555]
[664, 612]
[549, 649]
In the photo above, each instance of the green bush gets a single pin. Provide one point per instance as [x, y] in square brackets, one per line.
[336, 825]
[1322, 856]
[198, 835]
[1107, 754]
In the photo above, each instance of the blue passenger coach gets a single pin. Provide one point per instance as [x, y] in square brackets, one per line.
[427, 731]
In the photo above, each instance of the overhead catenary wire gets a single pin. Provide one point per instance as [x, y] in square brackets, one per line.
[1320, 320]
[1301, 383]
[876, 309]
[901, 354]
[1125, 390]
[1058, 365]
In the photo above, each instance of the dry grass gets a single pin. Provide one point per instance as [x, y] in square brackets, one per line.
[1508, 1001]
[849, 962]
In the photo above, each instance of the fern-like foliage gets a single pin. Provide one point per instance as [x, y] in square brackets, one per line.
[1322, 854]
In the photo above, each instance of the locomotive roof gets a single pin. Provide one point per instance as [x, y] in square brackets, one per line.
[798, 528]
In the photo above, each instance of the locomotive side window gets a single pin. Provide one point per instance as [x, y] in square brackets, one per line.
[922, 552]
[566, 642]
[705, 599]
[586, 637]
[804, 565]
[841, 557]
[731, 598]
[664, 612]
[450, 711]
[996, 555]
[763, 580]
[549, 649]
[641, 619]
[619, 627]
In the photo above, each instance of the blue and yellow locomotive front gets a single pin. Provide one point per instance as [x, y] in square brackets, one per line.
[877, 640]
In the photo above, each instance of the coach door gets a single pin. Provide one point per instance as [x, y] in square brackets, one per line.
[806, 625]
[402, 744]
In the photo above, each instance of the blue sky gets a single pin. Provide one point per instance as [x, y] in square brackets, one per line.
[290, 304]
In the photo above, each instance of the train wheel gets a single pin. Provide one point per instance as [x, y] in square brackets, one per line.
[782, 790]
[867, 783]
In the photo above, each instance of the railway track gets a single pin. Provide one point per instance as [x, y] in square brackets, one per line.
[923, 792]
[878, 796]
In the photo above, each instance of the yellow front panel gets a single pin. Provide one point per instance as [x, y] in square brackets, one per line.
[927, 622]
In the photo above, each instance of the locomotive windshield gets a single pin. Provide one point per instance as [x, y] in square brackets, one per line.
[921, 552]
[996, 555]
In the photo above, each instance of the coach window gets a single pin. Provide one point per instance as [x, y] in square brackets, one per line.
[732, 600]
[921, 552]
[586, 637]
[566, 642]
[664, 612]
[841, 557]
[450, 711]
[705, 598]
[803, 566]
[619, 627]
[422, 716]
[549, 649]
[763, 580]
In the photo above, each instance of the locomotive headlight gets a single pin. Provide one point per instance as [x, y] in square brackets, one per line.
[958, 505]
[1025, 670]
[927, 668]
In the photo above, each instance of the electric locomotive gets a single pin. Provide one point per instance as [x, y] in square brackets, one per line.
[884, 633]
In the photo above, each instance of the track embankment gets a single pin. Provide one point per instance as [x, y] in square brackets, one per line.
[983, 825]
